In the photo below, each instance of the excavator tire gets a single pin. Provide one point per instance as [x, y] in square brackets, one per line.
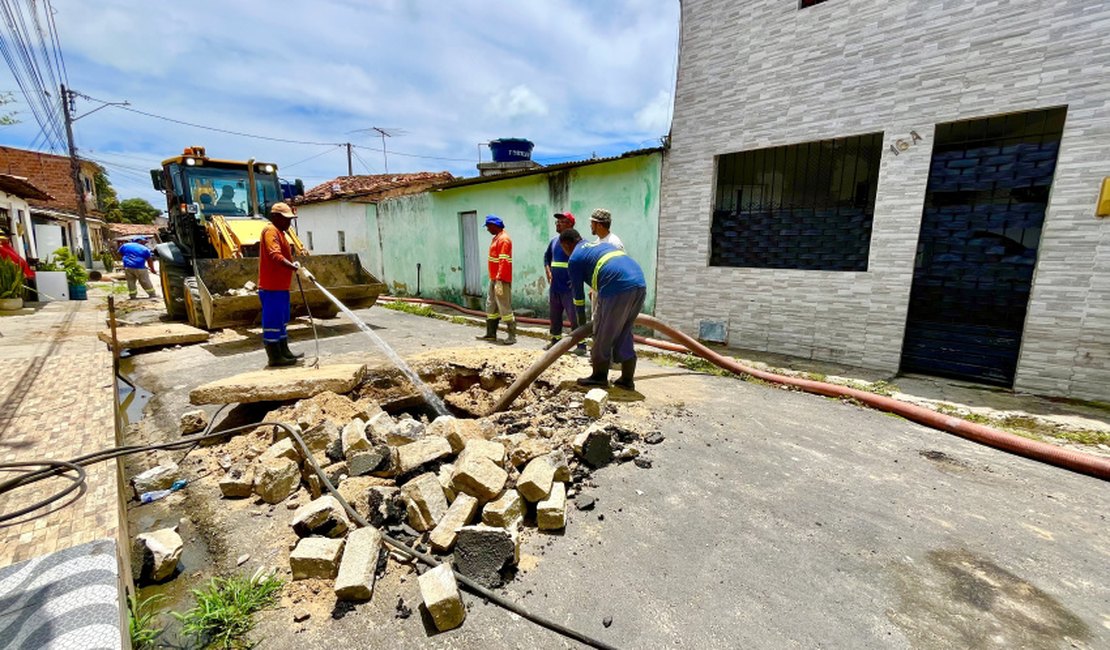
[172, 278]
[194, 311]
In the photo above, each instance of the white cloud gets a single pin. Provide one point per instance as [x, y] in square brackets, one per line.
[574, 76]
[519, 101]
[656, 116]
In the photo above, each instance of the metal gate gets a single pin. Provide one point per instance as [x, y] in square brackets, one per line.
[472, 261]
[984, 207]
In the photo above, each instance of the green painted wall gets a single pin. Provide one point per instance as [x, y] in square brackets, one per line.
[425, 228]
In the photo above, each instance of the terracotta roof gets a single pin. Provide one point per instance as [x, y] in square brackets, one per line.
[370, 188]
[21, 187]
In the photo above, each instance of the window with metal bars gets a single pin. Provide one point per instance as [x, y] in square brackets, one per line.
[805, 206]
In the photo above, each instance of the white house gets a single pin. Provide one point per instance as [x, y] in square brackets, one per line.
[15, 212]
[337, 216]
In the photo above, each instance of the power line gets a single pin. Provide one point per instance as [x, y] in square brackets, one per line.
[23, 60]
[219, 130]
[283, 167]
[414, 155]
[364, 164]
[270, 138]
[60, 60]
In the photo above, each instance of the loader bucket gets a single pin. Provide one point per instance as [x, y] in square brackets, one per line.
[220, 280]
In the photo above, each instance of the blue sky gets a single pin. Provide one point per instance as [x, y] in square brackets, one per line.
[576, 77]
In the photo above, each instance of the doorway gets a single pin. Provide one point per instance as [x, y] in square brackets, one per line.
[472, 264]
[985, 203]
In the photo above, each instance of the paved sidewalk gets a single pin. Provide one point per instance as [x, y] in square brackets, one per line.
[56, 401]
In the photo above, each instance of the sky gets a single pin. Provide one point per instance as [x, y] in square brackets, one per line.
[577, 77]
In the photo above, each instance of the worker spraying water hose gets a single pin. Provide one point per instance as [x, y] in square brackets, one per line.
[429, 396]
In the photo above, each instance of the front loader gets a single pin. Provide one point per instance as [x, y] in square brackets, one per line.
[208, 255]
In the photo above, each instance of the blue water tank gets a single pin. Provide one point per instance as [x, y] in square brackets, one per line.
[511, 149]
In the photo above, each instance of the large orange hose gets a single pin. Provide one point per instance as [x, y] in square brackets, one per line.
[1075, 461]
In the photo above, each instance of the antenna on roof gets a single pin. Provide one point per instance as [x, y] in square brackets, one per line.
[385, 132]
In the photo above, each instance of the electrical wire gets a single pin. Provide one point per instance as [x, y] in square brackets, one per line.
[324, 153]
[26, 67]
[364, 163]
[55, 468]
[219, 130]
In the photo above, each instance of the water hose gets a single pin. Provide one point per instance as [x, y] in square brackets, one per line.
[58, 468]
[311, 320]
[1044, 452]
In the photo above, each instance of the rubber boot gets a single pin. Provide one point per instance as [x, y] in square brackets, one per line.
[289, 354]
[628, 371]
[491, 330]
[581, 350]
[511, 338]
[554, 341]
[600, 377]
[275, 359]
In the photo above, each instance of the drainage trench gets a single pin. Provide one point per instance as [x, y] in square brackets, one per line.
[215, 530]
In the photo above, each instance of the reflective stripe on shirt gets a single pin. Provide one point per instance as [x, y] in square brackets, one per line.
[601, 262]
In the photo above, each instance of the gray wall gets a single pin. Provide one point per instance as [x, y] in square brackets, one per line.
[763, 73]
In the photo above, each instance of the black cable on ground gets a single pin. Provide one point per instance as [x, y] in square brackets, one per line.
[55, 468]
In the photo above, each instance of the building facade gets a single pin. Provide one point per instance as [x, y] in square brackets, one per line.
[54, 218]
[897, 185]
[434, 244]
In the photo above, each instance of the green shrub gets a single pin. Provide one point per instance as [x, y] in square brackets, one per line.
[11, 279]
[76, 274]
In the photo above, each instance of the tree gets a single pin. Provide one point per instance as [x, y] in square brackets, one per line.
[106, 199]
[7, 119]
[138, 211]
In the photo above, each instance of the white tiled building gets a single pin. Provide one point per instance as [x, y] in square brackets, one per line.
[896, 184]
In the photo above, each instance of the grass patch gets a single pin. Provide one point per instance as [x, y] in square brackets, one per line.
[411, 308]
[224, 611]
[141, 619]
[880, 387]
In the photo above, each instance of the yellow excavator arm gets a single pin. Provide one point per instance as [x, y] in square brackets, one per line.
[239, 238]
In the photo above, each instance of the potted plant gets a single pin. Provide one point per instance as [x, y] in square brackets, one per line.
[76, 276]
[11, 286]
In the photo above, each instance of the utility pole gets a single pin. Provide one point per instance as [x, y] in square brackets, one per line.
[75, 172]
[350, 169]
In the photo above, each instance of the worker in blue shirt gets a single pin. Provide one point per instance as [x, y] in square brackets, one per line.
[619, 283]
[560, 296]
[138, 264]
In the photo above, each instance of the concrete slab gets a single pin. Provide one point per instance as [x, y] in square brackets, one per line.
[157, 335]
[279, 384]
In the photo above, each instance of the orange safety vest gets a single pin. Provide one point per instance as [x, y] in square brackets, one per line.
[501, 258]
[273, 248]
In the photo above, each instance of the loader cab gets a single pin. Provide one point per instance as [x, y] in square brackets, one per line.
[199, 188]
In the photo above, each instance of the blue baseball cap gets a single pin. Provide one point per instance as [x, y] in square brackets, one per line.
[493, 219]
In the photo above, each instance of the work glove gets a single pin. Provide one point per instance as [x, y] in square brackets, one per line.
[499, 288]
[305, 273]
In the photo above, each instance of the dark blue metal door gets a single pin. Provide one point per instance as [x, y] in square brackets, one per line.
[984, 208]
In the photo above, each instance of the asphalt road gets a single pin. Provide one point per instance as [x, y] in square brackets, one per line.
[768, 519]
